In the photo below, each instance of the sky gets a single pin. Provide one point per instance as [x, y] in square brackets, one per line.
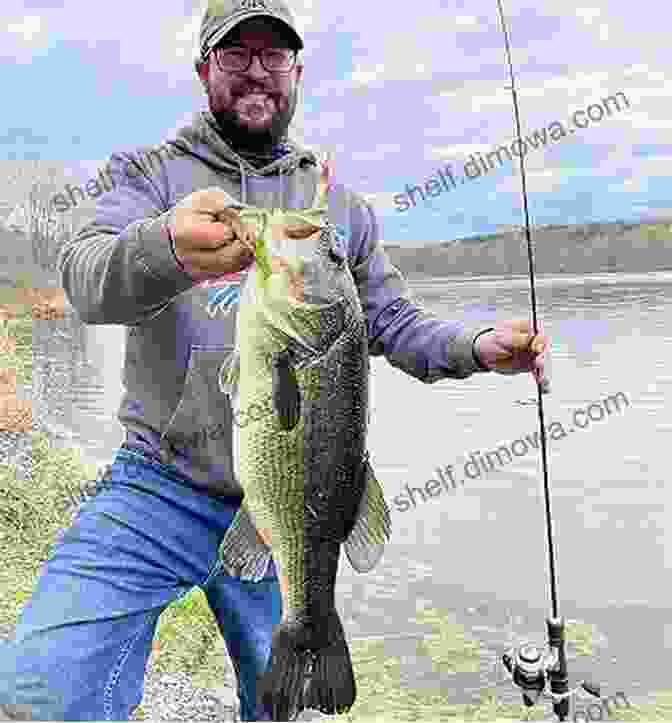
[396, 92]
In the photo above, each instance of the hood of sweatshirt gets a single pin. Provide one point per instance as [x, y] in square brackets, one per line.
[203, 140]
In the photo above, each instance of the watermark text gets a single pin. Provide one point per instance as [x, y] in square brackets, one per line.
[480, 464]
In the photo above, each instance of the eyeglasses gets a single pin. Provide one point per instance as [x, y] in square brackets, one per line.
[239, 58]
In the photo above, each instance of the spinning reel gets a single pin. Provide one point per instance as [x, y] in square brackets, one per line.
[543, 674]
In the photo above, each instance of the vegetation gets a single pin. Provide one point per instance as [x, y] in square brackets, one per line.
[383, 695]
[579, 249]
[187, 637]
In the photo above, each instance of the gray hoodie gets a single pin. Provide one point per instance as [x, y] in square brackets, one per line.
[121, 269]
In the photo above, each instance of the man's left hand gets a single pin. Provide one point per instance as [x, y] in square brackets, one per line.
[512, 348]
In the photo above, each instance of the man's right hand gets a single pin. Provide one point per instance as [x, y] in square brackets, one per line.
[210, 239]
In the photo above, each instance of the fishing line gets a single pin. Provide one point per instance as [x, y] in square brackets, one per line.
[537, 672]
[533, 672]
[540, 385]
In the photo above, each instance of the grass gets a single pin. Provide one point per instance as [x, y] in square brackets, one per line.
[656, 232]
[449, 647]
[382, 696]
[381, 692]
[189, 640]
[21, 329]
[32, 514]
[30, 517]
[187, 637]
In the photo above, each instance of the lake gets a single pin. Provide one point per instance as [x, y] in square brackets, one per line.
[480, 548]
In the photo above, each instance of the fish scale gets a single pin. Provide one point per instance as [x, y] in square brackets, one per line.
[302, 345]
[302, 460]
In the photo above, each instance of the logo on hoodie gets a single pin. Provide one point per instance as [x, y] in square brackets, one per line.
[223, 293]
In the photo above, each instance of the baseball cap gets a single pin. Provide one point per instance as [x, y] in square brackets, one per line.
[222, 16]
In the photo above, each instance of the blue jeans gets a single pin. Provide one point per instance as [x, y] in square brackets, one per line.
[146, 539]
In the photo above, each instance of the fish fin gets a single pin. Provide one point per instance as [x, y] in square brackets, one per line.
[286, 394]
[260, 238]
[242, 551]
[372, 528]
[229, 374]
[326, 180]
[298, 677]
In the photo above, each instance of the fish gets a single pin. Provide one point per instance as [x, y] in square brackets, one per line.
[301, 352]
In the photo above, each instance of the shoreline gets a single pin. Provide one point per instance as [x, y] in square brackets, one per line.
[619, 631]
[634, 622]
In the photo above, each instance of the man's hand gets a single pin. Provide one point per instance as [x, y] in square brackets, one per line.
[512, 348]
[210, 239]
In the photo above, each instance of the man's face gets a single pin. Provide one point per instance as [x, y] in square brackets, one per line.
[253, 108]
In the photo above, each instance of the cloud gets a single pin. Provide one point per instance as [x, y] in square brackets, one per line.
[629, 185]
[23, 37]
[654, 166]
[458, 151]
[26, 29]
[390, 91]
[379, 153]
[186, 45]
[548, 180]
[643, 121]
[466, 22]
[588, 15]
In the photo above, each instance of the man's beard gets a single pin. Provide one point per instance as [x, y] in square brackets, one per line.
[239, 135]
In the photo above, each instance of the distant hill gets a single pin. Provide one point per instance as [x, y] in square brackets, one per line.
[580, 249]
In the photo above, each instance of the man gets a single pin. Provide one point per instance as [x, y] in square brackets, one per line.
[162, 258]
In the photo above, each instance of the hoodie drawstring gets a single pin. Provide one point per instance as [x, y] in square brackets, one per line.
[282, 174]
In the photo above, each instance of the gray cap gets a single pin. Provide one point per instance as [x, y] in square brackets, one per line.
[222, 16]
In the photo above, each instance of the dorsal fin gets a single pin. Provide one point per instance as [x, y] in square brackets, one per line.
[326, 178]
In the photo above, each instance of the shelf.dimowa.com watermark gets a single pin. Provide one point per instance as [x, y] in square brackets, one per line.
[476, 467]
[476, 167]
[110, 177]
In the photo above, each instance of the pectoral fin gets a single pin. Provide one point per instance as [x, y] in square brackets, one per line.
[286, 394]
[229, 374]
[365, 544]
[242, 551]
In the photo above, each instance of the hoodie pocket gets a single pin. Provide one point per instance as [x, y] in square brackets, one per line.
[200, 428]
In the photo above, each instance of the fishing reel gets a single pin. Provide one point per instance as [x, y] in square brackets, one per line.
[540, 673]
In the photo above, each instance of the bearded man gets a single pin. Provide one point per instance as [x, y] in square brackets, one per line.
[163, 257]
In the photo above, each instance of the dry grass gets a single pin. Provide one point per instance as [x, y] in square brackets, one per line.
[16, 415]
[382, 696]
[45, 303]
[32, 514]
[24, 299]
[187, 637]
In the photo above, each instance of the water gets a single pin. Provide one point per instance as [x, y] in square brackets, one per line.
[483, 545]
[610, 502]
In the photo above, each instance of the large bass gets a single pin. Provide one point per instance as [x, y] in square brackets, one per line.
[302, 360]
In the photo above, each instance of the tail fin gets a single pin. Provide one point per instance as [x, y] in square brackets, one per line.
[300, 675]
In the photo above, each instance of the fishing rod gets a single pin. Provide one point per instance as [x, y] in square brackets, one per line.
[536, 672]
